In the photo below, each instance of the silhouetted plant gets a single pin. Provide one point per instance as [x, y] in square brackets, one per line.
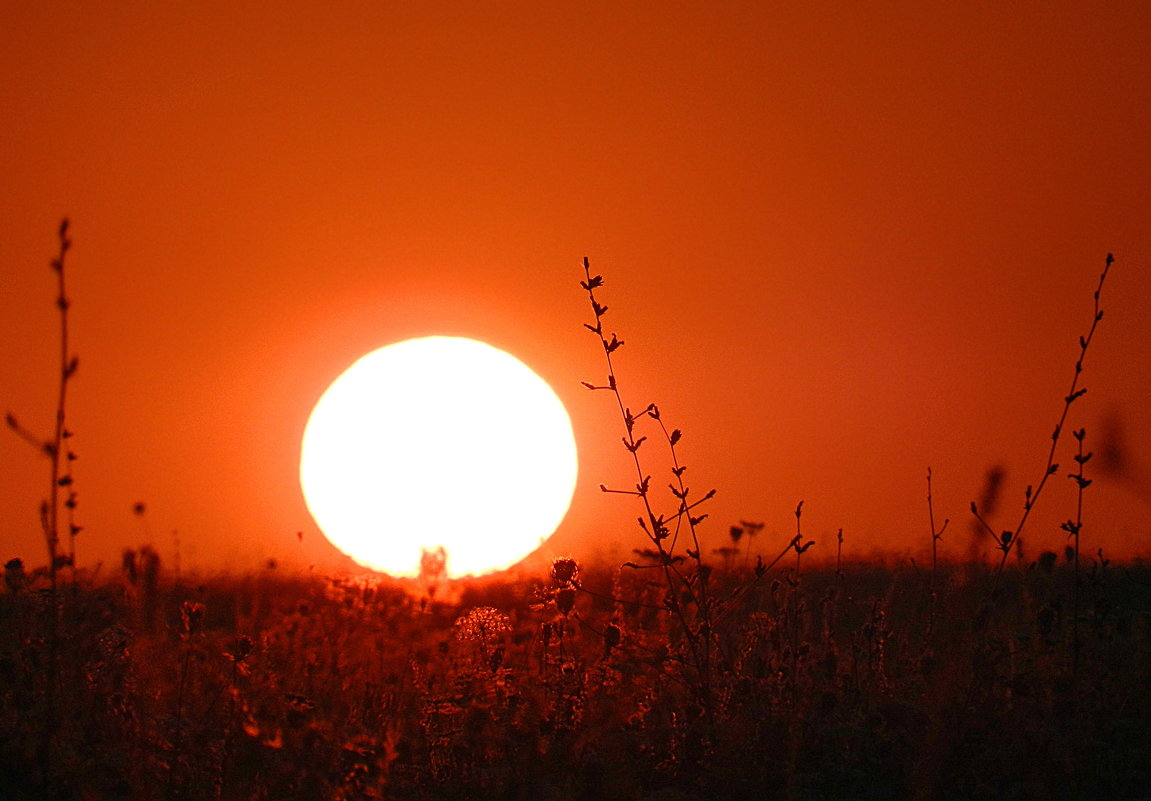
[56, 448]
[936, 536]
[688, 598]
[1009, 538]
[1073, 528]
[191, 622]
[61, 493]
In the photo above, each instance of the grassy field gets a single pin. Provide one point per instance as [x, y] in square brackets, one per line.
[677, 676]
[579, 683]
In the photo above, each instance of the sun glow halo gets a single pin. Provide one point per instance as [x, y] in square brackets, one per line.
[438, 441]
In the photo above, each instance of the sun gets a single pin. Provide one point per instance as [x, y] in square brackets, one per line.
[438, 441]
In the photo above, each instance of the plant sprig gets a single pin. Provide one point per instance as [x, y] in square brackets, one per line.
[61, 488]
[1009, 538]
[662, 530]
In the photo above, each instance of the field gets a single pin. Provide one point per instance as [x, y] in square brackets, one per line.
[580, 682]
[681, 675]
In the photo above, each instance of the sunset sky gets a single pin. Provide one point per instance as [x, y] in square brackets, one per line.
[843, 242]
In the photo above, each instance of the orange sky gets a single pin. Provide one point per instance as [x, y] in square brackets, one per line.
[843, 241]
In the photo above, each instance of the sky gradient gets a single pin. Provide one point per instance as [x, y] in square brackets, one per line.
[843, 242]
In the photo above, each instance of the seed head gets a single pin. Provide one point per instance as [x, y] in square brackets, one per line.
[564, 571]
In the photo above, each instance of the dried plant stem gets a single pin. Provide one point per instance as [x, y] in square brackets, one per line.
[936, 536]
[1073, 528]
[1006, 541]
[238, 653]
[698, 632]
[178, 736]
[191, 616]
[61, 456]
[60, 483]
[795, 604]
[797, 541]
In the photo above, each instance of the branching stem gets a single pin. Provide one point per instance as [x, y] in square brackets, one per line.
[1009, 539]
[698, 633]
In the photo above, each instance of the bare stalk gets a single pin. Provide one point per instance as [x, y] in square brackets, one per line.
[62, 456]
[797, 542]
[839, 557]
[1008, 539]
[60, 483]
[1073, 527]
[936, 536]
[60, 474]
[658, 529]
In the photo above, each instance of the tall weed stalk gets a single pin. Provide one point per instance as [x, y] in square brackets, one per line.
[56, 448]
[61, 493]
[688, 598]
[1008, 539]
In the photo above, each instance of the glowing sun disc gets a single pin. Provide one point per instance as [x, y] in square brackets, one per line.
[439, 441]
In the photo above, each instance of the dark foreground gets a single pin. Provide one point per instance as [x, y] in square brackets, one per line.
[863, 684]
